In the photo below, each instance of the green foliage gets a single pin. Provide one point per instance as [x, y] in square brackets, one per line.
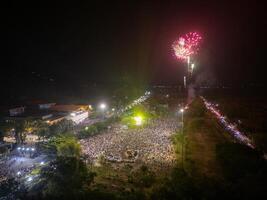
[128, 118]
[194, 124]
[66, 178]
[96, 128]
[20, 127]
[61, 127]
[4, 129]
[90, 131]
[158, 108]
[65, 146]
[143, 177]
[41, 129]
[197, 109]
[178, 186]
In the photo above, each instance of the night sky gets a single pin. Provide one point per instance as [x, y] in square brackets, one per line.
[72, 43]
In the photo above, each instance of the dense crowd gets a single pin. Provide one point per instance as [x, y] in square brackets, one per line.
[14, 168]
[150, 145]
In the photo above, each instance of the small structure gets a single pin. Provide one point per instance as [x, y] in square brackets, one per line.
[46, 105]
[16, 111]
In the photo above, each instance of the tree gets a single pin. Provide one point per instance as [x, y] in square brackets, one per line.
[68, 176]
[65, 178]
[4, 129]
[65, 145]
[61, 127]
[19, 128]
[42, 129]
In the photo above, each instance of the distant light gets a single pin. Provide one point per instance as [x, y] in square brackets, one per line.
[42, 163]
[29, 179]
[90, 107]
[23, 149]
[18, 148]
[33, 149]
[138, 120]
[73, 114]
[27, 149]
[103, 106]
[181, 110]
[192, 66]
[48, 121]
[86, 128]
[113, 109]
[18, 173]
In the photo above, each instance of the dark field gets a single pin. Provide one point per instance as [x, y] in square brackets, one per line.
[247, 108]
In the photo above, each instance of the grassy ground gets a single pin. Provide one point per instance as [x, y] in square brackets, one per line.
[202, 137]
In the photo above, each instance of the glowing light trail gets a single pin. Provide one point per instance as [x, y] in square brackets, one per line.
[241, 137]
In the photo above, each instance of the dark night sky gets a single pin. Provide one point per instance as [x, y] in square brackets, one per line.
[100, 42]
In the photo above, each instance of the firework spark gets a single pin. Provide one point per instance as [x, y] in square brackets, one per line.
[186, 45]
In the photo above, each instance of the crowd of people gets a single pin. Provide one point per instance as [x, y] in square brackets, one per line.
[150, 145]
[15, 167]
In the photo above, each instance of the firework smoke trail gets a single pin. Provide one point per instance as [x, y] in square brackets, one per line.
[186, 45]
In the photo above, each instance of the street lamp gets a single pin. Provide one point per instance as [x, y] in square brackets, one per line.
[102, 106]
[188, 65]
[182, 111]
[192, 68]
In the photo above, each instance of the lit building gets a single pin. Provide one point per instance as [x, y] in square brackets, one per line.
[78, 117]
[16, 111]
[76, 113]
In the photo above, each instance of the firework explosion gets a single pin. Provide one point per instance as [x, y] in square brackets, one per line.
[186, 45]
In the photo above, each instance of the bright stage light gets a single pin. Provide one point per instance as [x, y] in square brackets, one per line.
[138, 120]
